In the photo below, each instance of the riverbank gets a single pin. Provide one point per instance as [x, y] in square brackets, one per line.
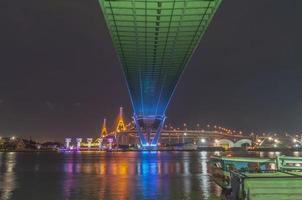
[209, 149]
[28, 150]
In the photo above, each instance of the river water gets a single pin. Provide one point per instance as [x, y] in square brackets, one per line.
[108, 176]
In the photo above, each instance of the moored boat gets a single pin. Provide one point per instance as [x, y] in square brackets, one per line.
[279, 179]
[221, 166]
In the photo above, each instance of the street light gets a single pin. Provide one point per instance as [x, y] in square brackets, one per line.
[183, 137]
[296, 141]
[202, 140]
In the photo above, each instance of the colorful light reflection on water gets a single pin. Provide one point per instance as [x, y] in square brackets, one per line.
[106, 176]
[138, 175]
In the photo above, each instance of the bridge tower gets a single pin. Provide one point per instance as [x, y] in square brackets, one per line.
[104, 131]
[120, 122]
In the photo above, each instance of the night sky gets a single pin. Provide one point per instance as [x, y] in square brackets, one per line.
[60, 75]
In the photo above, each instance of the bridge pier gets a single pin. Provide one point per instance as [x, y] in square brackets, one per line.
[145, 127]
[101, 143]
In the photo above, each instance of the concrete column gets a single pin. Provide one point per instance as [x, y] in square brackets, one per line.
[101, 143]
[110, 140]
[89, 141]
[79, 140]
[67, 141]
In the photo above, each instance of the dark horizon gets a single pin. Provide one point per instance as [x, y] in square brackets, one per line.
[60, 75]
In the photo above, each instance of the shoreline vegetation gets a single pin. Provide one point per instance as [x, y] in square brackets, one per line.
[13, 144]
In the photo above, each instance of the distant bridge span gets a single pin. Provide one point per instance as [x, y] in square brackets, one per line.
[214, 138]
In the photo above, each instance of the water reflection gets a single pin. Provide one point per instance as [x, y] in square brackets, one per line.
[69, 183]
[134, 175]
[106, 176]
[7, 175]
[204, 175]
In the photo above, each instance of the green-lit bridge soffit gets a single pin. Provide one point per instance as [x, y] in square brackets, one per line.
[154, 40]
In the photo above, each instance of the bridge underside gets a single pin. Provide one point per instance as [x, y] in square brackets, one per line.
[155, 39]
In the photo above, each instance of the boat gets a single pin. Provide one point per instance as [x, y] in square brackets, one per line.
[279, 179]
[221, 166]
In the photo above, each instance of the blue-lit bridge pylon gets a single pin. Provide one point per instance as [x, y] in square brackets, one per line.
[146, 126]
